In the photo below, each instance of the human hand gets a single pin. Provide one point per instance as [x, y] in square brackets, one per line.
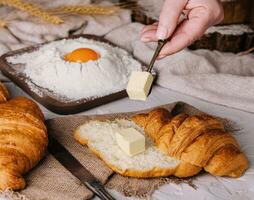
[200, 15]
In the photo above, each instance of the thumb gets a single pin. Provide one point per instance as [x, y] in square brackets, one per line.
[169, 17]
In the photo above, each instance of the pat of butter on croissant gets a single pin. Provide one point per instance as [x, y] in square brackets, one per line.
[130, 141]
[139, 85]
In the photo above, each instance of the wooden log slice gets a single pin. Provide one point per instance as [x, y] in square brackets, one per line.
[231, 38]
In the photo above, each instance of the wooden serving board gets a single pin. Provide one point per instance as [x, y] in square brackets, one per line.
[224, 43]
[236, 12]
[48, 98]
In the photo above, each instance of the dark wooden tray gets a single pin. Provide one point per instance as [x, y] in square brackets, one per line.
[47, 98]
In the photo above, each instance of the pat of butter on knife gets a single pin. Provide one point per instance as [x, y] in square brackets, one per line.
[130, 141]
[139, 85]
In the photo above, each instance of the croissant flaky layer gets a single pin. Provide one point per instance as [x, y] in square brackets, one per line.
[23, 140]
[199, 141]
[4, 94]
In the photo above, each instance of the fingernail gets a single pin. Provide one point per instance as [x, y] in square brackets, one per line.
[145, 39]
[162, 33]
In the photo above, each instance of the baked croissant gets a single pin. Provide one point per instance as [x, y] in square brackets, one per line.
[23, 140]
[4, 94]
[199, 141]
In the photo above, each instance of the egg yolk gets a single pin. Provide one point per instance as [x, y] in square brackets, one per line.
[81, 55]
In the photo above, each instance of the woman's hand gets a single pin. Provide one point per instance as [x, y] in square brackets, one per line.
[200, 15]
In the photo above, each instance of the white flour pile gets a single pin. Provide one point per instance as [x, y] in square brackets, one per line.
[47, 68]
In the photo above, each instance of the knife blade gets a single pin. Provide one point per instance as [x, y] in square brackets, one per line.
[77, 169]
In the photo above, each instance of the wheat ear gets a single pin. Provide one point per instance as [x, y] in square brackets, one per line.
[85, 10]
[32, 9]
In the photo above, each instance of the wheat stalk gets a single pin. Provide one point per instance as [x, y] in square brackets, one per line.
[85, 10]
[93, 9]
[32, 9]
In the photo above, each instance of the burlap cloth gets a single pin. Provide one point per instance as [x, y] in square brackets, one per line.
[51, 181]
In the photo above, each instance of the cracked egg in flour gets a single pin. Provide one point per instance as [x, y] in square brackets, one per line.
[78, 68]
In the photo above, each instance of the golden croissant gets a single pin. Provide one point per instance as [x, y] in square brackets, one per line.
[199, 141]
[4, 94]
[23, 140]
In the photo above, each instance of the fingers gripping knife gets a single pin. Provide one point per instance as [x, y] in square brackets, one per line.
[140, 82]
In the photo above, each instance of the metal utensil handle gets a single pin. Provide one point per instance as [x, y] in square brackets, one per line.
[100, 191]
[77, 169]
[161, 43]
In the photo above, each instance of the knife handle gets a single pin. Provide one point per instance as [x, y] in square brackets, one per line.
[160, 44]
[99, 190]
[70, 162]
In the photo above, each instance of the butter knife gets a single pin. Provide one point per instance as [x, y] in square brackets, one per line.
[77, 169]
[160, 45]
